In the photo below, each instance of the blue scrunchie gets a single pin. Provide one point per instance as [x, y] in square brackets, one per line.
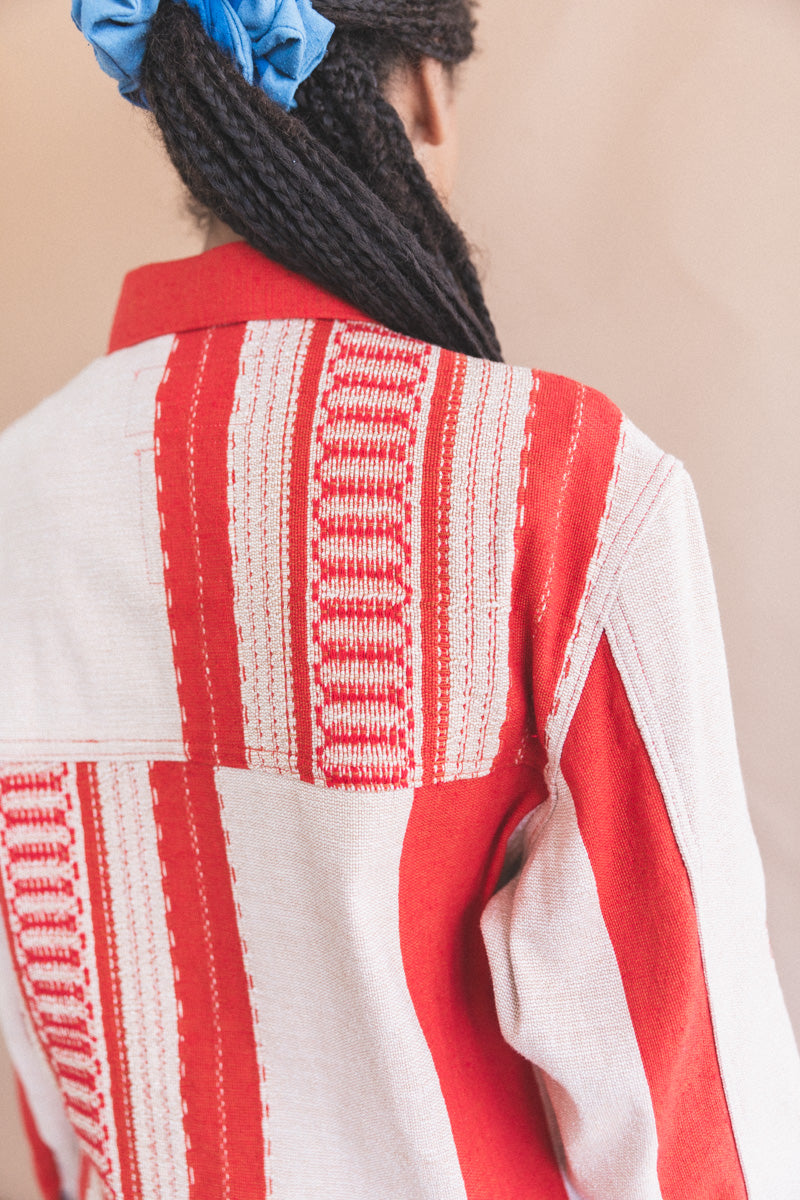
[276, 43]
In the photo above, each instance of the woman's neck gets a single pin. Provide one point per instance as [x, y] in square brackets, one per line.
[219, 234]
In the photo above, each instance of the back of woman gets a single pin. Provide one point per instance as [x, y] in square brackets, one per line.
[371, 817]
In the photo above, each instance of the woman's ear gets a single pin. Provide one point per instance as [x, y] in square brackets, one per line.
[424, 97]
[435, 102]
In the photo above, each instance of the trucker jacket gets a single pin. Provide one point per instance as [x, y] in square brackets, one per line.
[371, 823]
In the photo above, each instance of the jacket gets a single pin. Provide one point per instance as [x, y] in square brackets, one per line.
[371, 823]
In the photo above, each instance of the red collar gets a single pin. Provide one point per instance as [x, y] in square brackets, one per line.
[224, 286]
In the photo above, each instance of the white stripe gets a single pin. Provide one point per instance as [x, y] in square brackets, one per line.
[555, 1138]
[149, 1010]
[637, 486]
[356, 1109]
[319, 672]
[561, 1004]
[489, 440]
[82, 604]
[259, 475]
[665, 635]
[416, 498]
[94, 1187]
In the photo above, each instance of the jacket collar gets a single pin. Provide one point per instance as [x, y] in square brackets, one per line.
[228, 285]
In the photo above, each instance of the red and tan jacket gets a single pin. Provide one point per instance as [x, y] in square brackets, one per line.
[371, 825]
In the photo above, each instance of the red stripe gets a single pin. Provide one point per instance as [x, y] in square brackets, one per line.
[435, 561]
[567, 467]
[193, 409]
[298, 542]
[451, 862]
[85, 1177]
[647, 905]
[44, 1163]
[220, 1089]
[105, 953]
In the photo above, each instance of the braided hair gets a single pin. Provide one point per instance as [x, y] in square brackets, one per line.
[333, 189]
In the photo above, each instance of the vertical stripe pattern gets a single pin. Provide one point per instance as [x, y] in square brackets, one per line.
[435, 565]
[38, 1086]
[639, 481]
[481, 515]
[273, 361]
[446, 876]
[356, 1107]
[106, 952]
[221, 1085]
[562, 1005]
[131, 869]
[447, 889]
[678, 692]
[193, 408]
[48, 911]
[321, 448]
[567, 465]
[299, 545]
[360, 588]
[646, 900]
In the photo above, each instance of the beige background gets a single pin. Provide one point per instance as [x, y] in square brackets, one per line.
[631, 180]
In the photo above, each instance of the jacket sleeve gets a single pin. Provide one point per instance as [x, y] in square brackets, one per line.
[52, 1140]
[629, 951]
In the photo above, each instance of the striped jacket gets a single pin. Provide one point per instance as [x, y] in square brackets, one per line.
[371, 826]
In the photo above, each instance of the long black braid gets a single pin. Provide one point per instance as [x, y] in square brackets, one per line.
[332, 190]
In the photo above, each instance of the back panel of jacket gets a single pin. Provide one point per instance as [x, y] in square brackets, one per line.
[296, 617]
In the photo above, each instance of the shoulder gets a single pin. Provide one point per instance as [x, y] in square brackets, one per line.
[534, 489]
[69, 435]
[104, 385]
[589, 483]
[587, 476]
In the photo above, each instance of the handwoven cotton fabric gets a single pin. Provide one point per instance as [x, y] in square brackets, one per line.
[371, 824]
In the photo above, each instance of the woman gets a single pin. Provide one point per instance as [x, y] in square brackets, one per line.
[372, 823]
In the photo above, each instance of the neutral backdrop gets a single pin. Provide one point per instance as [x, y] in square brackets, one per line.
[631, 183]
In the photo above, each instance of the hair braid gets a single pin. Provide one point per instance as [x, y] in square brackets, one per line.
[343, 105]
[333, 192]
[440, 29]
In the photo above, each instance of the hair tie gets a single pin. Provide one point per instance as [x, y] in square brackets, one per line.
[275, 43]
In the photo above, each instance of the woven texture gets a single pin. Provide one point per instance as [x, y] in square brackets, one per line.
[371, 823]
